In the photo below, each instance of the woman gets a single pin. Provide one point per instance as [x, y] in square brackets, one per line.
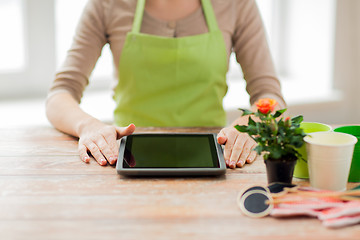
[171, 57]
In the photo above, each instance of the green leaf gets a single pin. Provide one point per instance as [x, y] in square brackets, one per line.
[275, 153]
[252, 129]
[299, 131]
[251, 122]
[241, 128]
[246, 112]
[258, 149]
[297, 141]
[297, 119]
[279, 112]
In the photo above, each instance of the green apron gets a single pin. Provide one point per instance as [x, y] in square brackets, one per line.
[172, 82]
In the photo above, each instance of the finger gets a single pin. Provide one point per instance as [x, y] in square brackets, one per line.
[253, 154]
[113, 146]
[221, 137]
[83, 153]
[228, 150]
[246, 150]
[105, 149]
[237, 151]
[251, 157]
[110, 138]
[125, 131]
[95, 151]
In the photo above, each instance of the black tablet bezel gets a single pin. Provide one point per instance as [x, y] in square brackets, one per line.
[186, 171]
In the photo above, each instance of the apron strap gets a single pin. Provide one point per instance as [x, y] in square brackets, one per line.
[209, 15]
[206, 5]
[140, 6]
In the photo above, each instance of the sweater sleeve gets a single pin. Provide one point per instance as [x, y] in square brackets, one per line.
[90, 37]
[253, 54]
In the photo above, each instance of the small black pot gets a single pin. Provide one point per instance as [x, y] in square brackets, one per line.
[279, 170]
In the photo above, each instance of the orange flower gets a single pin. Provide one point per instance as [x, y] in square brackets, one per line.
[266, 105]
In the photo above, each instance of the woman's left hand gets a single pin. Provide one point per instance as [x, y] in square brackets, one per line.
[238, 148]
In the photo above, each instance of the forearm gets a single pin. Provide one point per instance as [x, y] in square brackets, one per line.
[65, 114]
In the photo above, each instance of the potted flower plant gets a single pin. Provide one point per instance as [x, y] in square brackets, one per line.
[277, 139]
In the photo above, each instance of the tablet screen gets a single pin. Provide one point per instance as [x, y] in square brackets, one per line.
[170, 151]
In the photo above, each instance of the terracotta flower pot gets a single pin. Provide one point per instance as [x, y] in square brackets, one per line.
[279, 170]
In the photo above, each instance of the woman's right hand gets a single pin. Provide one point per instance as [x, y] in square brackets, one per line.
[99, 139]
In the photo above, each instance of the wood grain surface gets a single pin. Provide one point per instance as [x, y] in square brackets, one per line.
[46, 192]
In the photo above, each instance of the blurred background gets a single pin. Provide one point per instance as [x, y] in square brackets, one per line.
[315, 45]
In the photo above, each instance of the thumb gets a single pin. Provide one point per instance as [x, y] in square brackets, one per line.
[221, 138]
[125, 131]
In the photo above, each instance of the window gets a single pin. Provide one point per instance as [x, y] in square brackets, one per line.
[12, 57]
[27, 48]
[301, 39]
[303, 47]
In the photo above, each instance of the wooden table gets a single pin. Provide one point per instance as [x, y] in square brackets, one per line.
[48, 193]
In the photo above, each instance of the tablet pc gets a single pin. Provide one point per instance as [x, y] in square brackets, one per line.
[171, 154]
